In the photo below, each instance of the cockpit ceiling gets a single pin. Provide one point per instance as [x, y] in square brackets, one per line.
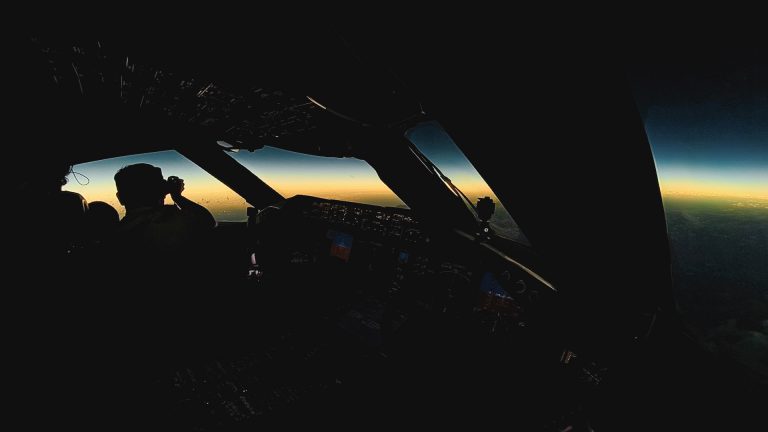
[249, 118]
[241, 89]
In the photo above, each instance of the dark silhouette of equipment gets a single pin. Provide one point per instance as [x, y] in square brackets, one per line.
[485, 208]
[103, 220]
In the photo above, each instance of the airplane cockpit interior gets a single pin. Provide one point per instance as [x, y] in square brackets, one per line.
[412, 227]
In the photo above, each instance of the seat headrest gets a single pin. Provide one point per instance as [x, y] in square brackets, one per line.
[69, 206]
[67, 217]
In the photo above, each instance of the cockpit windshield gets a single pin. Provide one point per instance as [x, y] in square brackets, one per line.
[290, 173]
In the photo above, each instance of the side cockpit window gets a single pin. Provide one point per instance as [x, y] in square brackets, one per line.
[705, 117]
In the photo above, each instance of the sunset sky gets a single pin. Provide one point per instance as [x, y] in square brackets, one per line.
[705, 111]
[709, 156]
[711, 149]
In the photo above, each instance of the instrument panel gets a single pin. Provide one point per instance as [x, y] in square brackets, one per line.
[414, 271]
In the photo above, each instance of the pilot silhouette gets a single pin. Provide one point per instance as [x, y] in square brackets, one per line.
[154, 236]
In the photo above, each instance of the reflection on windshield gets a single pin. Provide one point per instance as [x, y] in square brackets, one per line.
[434, 142]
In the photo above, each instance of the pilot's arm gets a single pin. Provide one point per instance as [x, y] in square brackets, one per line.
[195, 211]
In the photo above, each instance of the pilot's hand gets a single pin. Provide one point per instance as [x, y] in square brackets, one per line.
[175, 186]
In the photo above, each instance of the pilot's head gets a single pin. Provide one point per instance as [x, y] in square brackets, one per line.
[140, 185]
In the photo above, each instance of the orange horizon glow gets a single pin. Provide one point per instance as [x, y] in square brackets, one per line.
[712, 189]
[713, 181]
[219, 198]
